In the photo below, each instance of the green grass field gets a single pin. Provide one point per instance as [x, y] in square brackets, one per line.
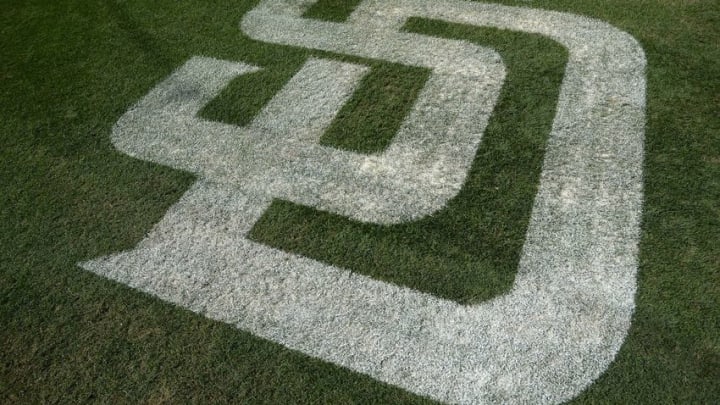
[70, 68]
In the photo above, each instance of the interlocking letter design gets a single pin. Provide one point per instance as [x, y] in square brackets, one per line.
[570, 307]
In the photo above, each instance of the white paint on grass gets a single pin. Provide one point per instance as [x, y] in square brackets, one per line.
[570, 307]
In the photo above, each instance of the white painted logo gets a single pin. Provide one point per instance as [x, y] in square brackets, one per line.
[570, 307]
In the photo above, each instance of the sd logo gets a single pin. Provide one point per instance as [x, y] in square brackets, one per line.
[570, 307]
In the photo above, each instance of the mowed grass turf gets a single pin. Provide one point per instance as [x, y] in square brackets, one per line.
[70, 69]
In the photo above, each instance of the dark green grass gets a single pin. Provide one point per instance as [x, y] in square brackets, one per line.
[69, 69]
